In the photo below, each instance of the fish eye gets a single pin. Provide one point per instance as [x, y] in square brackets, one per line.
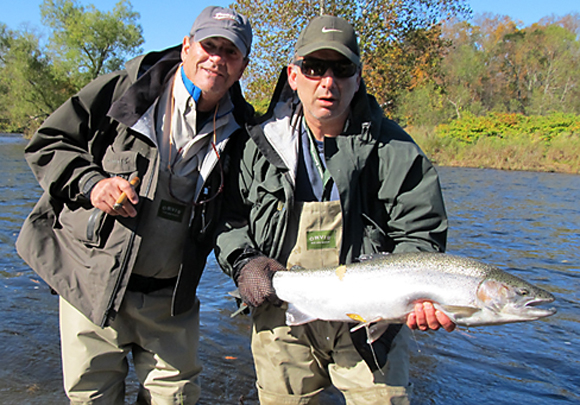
[523, 292]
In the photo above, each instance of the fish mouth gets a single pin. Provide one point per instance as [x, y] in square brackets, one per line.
[532, 307]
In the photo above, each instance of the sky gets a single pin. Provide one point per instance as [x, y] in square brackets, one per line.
[166, 22]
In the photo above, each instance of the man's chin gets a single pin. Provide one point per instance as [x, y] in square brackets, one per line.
[214, 85]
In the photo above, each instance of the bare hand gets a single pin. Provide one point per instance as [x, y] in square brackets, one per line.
[427, 317]
[107, 191]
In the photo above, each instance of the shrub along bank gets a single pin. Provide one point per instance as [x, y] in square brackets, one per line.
[505, 141]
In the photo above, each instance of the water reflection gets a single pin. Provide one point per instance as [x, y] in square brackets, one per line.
[526, 223]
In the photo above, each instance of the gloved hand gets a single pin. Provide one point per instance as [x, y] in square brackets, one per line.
[255, 281]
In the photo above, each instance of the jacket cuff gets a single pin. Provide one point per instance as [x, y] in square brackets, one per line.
[88, 182]
[243, 258]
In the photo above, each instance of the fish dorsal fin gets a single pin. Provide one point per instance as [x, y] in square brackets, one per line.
[372, 256]
[295, 316]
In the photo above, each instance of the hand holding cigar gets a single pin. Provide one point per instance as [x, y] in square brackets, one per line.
[123, 197]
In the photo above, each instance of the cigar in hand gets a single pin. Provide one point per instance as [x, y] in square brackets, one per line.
[123, 197]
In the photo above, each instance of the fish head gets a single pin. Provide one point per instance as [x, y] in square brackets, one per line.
[506, 298]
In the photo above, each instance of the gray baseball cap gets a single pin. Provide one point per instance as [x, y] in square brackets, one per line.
[225, 23]
[329, 32]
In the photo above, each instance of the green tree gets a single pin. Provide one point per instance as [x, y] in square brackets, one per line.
[84, 43]
[495, 92]
[88, 42]
[30, 85]
[399, 40]
[553, 70]
[464, 69]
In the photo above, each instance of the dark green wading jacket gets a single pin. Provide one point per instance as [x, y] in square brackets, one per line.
[107, 130]
[390, 194]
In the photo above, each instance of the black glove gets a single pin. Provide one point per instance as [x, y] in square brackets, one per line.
[255, 281]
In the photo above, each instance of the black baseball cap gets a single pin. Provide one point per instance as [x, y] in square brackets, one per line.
[329, 32]
[226, 23]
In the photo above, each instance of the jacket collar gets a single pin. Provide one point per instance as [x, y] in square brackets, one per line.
[149, 75]
[275, 136]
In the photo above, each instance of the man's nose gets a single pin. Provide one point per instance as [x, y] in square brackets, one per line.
[217, 55]
[328, 78]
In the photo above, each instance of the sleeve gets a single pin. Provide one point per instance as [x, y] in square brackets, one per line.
[62, 152]
[411, 192]
[234, 245]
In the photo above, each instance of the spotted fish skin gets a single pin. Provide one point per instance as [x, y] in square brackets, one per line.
[386, 288]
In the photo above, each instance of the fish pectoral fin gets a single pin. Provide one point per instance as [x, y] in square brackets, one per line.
[235, 294]
[375, 328]
[295, 316]
[458, 311]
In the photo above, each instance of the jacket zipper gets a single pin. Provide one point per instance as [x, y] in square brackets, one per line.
[123, 267]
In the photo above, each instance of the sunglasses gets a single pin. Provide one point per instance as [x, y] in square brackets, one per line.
[316, 68]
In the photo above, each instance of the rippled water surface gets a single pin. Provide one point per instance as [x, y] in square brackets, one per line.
[525, 223]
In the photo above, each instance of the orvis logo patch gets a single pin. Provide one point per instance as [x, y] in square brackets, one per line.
[171, 211]
[320, 240]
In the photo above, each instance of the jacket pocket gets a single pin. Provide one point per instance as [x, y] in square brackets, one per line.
[86, 226]
[120, 162]
[266, 213]
[375, 239]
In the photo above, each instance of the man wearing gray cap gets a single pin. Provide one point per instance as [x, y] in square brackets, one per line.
[133, 169]
[325, 179]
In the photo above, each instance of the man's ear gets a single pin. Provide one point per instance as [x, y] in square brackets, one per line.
[292, 74]
[185, 48]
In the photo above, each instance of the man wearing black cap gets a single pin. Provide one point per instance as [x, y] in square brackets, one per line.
[133, 170]
[324, 179]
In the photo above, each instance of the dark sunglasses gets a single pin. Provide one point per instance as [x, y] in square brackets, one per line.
[316, 68]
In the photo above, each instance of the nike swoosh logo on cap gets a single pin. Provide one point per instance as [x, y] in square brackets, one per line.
[324, 29]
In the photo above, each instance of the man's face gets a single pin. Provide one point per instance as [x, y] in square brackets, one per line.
[214, 65]
[326, 99]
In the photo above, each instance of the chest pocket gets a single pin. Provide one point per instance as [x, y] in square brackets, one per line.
[120, 163]
[319, 235]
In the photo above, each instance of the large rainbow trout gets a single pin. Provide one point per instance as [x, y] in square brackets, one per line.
[384, 289]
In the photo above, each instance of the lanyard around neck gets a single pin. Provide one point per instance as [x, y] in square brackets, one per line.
[167, 127]
[322, 169]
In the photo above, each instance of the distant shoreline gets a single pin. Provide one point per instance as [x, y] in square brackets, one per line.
[12, 138]
[477, 157]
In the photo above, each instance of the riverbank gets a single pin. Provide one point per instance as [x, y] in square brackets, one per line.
[560, 155]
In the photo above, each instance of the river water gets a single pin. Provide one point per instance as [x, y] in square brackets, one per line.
[525, 223]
